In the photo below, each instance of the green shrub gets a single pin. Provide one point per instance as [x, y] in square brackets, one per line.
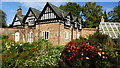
[4, 37]
[20, 55]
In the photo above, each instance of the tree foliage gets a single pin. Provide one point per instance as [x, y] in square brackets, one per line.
[74, 8]
[92, 14]
[105, 16]
[3, 19]
[114, 15]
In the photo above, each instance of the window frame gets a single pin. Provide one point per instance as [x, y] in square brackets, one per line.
[30, 37]
[78, 35]
[66, 35]
[44, 33]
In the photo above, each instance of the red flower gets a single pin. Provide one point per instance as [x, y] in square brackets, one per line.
[86, 49]
[33, 53]
[81, 58]
[77, 59]
[74, 54]
[78, 48]
[33, 47]
[107, 53]
[68, 59]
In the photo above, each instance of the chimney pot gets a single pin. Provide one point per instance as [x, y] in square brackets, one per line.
[102, 19]
[19, 11]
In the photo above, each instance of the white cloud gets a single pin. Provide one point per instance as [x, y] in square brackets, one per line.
[39, 5]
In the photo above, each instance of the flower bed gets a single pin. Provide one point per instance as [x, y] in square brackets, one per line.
[86, 55]
[36, 54]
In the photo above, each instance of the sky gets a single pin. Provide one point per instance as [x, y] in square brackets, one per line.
[10, 7]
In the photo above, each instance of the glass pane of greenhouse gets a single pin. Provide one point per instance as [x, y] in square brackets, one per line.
[110, 28]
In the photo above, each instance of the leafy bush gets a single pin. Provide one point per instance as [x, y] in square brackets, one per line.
[4, 37]
[98, 39]
[20, 55]
[86, 55]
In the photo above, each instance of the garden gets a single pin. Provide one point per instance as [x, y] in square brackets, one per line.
[97, 51]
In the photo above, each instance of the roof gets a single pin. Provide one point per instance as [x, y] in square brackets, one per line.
[20, 17]
[36, 12]
[59, 11]
[74, 18]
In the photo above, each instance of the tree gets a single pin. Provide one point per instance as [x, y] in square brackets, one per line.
[105, 16]
[74, 8]
[92, 14]
[3, 19]
[114, 15]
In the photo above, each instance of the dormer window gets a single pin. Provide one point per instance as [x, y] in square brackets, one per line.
[80, 26]
[75, 24]
[31, 22]
[68, 20]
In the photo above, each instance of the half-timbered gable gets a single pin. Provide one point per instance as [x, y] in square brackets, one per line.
[68, 19]
[48, 14]
[31, 17]
[17, 21]
[51, 13]
[77, 23]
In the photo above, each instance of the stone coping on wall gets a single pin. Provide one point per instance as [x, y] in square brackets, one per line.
[93, 29]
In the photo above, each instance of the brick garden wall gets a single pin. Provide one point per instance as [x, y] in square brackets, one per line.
[56, 33]
[87, 31]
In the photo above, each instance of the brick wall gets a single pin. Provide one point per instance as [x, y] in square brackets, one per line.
[8, 31]
[53, 29]
[87, 31]
[56, 33]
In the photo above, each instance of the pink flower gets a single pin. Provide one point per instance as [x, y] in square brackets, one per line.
[77, 59]
[82, 53]
[74, 54]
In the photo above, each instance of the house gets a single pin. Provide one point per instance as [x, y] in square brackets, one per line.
[52, 23]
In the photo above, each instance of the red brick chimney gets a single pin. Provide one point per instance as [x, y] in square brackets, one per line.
[19, 11]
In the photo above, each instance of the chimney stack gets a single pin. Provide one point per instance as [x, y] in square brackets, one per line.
[102, 19]
[19, 11]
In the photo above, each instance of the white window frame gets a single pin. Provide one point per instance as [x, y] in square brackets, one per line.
[68, 20]
[66, 36]
[80, 26]
[17, 23]
[30, 37]
[78, 35]
[44, 35]
[76, 24]
[31, 22]
[17, 37]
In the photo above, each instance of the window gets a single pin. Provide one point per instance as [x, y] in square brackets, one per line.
[66, 35]
[30, 39]
[68, 20]
[17, 23]
[31, 22]
[78, 35]
[80, 26]
[45, 35]
[17, 36]
[75, 24]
